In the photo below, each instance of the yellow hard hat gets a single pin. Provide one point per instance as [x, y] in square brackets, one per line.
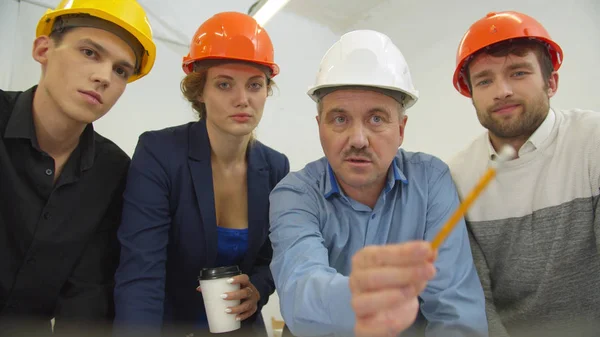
[127, 14]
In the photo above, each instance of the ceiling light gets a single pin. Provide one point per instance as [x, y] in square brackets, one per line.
[268, 9]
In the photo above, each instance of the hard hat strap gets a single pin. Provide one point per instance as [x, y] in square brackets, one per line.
[207, 63]
[399, 96]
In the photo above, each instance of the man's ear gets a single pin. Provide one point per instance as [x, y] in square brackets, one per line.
[402, 127]
[41, 45]
[552, 84]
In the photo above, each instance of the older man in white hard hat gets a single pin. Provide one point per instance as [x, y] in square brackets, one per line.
[350, 231]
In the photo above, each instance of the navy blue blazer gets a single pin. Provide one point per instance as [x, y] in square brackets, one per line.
[169, 231]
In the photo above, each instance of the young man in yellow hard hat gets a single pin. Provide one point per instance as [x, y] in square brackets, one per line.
[61, 183]
[343, 263]
[535, 231]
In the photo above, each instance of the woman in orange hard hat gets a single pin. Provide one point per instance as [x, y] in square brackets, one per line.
[197, 194]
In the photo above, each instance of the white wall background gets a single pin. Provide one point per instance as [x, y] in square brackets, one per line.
[427, 31]
[156, 101]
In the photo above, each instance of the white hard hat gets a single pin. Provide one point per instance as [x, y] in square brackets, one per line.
[365, 58]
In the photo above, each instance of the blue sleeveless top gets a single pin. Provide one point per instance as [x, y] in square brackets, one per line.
[232, 246]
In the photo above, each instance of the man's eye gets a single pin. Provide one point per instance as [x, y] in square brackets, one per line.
[88, 52]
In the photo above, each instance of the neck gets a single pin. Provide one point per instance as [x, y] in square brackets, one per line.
[366, 195]
[515, 143]
[57, 134]
[226, 149]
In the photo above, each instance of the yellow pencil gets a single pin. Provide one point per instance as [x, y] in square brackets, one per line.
[507, 153]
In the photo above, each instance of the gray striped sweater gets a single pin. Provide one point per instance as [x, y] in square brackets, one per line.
[535, 231]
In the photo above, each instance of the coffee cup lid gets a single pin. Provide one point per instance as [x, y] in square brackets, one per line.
[219, 272]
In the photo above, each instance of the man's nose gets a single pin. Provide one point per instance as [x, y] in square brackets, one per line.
[503, 90]
[358, 137]
[102, 74]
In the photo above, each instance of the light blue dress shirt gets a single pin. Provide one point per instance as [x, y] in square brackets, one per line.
[316, 229]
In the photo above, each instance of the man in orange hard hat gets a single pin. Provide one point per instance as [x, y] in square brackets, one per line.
[61, 184]
[535, 230]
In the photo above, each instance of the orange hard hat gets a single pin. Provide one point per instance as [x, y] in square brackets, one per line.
[496, 27]
[231, 36]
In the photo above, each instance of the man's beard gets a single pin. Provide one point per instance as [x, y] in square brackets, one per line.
[523, 125]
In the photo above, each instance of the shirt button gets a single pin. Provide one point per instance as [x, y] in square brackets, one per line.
[48, 172]
[31, 260]
[373, 216]
[47, 215]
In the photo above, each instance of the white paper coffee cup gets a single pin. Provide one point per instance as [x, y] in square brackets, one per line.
[213, 282]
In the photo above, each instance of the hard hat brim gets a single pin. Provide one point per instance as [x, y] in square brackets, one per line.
[413, 97]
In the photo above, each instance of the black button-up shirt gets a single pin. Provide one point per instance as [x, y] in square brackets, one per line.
[58, 245]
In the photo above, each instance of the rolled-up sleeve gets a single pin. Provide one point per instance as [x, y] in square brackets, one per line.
[314, 297]
[453, 303]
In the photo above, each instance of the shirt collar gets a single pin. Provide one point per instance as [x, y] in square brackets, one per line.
[394, 174]
[536, 139]
[20, 122]
[20, 126]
